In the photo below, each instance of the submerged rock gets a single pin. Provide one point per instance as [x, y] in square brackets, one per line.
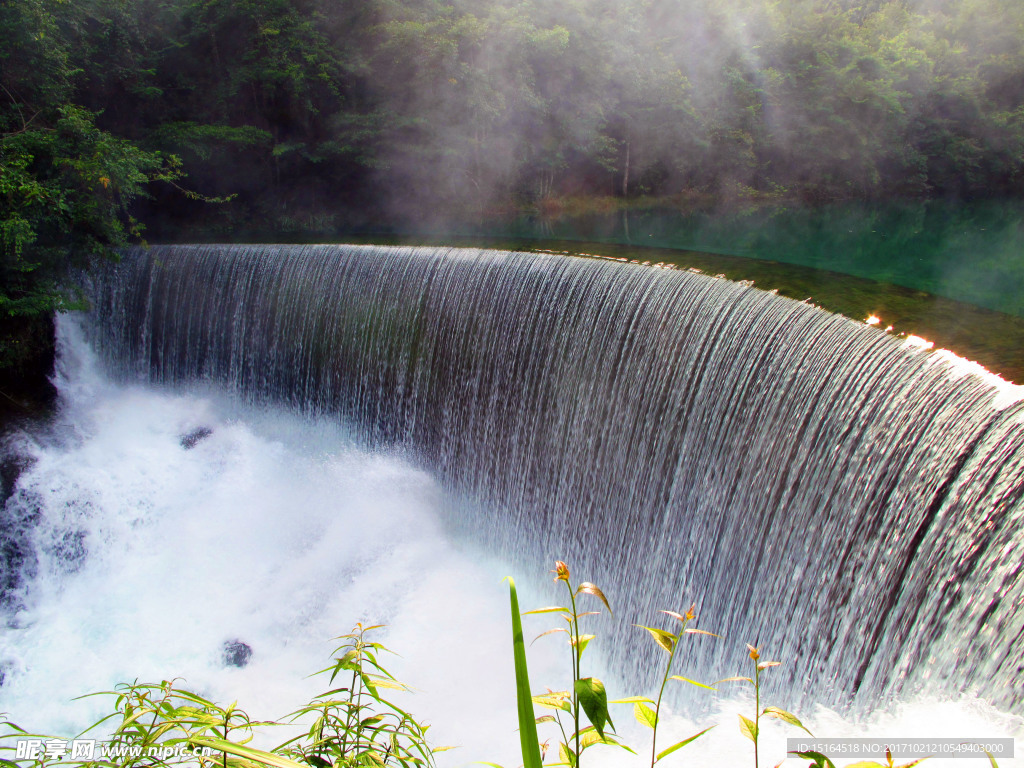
[236, 653]
[19, 513]
[12, 465]
[190, 439]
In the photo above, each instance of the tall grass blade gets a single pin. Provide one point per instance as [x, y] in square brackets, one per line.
[524, 700]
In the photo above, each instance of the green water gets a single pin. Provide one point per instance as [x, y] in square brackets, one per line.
[971, 252]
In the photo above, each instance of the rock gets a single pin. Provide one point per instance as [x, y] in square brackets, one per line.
[236, 653]
[19, 515]
[190, 439]
[12, 465]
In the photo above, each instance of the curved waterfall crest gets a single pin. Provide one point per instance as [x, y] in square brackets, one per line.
[813, 484]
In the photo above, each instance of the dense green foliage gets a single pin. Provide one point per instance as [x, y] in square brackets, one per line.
[65, 184]
[313, 110]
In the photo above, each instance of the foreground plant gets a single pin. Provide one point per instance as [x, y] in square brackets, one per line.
[588, 693]
[524, 699]
[752, 728]
[154, 724]
[355, 724]
[162, 725]
[669, 642]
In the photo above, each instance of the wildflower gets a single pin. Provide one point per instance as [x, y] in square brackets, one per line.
[561, 571]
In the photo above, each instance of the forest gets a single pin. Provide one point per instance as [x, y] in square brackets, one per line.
[291, 115]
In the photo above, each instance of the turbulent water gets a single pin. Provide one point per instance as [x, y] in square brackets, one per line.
[845, 500]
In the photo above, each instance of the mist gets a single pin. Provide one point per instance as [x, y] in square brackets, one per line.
[317, 114]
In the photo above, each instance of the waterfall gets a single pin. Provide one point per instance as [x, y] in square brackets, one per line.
[843, 499]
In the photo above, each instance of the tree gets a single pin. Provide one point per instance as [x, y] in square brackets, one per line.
[66, 186]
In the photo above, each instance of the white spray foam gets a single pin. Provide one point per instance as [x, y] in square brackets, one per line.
[279, 532]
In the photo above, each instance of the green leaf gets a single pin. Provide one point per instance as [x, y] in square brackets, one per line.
[732, 680]
[553, 701]
[991, 759]
[788, 717]
[681, 744]
[566, 754]
[594, 701]
[346, 660]
[549, 632]
[819, 760]
[587, 588]
[524, 701]
[645, 715]
[665, 639]
[379, 682]
[632, 700]
[257, 755]
[692, 631]
[549, 609]
[748, 728]
[369, 684]
[692, 682]
[584, 641]
[589, 738]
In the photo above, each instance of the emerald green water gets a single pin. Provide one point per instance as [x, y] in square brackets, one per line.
[971, 252]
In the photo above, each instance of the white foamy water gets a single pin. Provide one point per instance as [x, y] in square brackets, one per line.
[282, 533]
[273, 531]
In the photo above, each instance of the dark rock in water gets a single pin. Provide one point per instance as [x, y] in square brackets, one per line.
[190, 439]
[236, 653]
[69, 549]
[19, 514]
[16, 558]
[11, 467]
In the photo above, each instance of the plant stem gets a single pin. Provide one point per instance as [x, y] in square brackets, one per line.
[757, 708]
[661, 691]
[575, 669]
[353, 704]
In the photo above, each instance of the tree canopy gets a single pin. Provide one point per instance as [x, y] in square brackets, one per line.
[308, 107]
